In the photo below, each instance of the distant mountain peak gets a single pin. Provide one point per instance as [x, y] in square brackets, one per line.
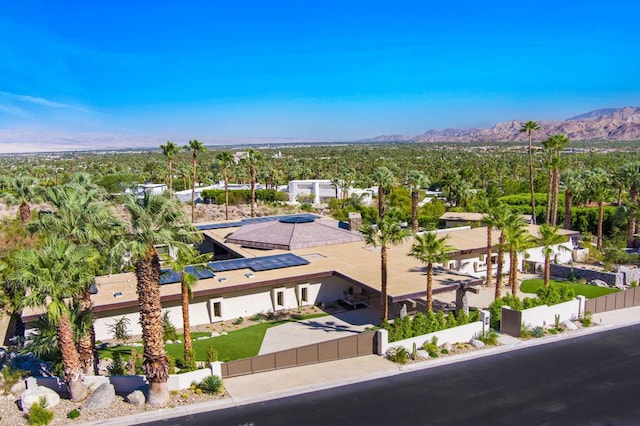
[620, 124]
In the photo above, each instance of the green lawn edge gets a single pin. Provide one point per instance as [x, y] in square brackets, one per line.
[237, 344]
[589, 291]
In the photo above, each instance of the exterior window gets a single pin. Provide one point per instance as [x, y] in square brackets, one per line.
[215, 308]
[304, 294]
[280, 298]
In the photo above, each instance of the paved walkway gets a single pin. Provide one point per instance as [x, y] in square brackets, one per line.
[300, 333]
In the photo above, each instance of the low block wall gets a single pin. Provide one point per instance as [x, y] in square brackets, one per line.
[546, 315]
[463, 333]
[127, 384]
[564, 271]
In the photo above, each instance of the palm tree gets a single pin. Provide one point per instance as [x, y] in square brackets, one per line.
[430, 249]
[188, 261]
[415, 181]
[50, 277]
[195, 147]
[529, 127]
[553, 146]
[548, 238]
[170, 150]
[384, 178]
[385, 232]
[253, 157]
[573, 184]
[81, 217]
[518, 240]
[155, 221]
[630, 174]
[22, 191]
[225, 160]
[599, 184]
[487, 205]
[499, 217]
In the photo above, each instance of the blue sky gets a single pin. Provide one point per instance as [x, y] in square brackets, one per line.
[321, 70]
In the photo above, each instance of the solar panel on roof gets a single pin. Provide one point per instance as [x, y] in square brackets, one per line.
[265, 263]
[218, 226]
[169, 276]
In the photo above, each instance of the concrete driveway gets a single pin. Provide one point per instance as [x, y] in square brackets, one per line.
[301, 333]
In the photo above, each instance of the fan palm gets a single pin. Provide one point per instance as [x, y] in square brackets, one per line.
[384, 233]
[188, 262]
[155, 221]
[574, 184]
[430, 249]
[384, 178]
[194, 147]
[253, 157]
[499, 217]
[548, 238]
[630, 174]
[225, 160]
[22, 191]
[50, 277]
[518, 240]
[529, 127]
[415, 181]
[170, 150]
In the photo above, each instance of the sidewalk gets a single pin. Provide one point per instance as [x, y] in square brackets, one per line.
[292, 381]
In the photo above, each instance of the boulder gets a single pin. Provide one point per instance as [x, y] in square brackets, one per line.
[18, 387]
[569, 325]
[33, 395]
[136, 398]
[423, 354]
[101, 398]
[476, 343]
[598, 283]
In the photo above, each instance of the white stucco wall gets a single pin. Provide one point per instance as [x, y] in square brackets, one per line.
[463, 333]
[245, 303]
[545, 315]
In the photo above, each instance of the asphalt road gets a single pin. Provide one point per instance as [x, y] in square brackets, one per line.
[590, 380]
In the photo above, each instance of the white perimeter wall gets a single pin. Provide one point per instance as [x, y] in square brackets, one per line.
[546, 315]
[462, 333]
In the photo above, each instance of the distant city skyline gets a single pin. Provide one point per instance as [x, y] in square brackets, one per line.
[323, 71]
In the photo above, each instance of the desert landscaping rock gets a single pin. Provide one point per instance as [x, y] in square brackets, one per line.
[136, 398]
[33, 395]
[477, 343]
[101, 398]
[569, 325]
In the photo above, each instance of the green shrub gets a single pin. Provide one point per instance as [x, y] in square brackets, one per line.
[212, 354]
[168, 329]
[135, 362]
[444, 351]
[414, 352]
[120, 329]
[39, 415]
[11, 376]
[537, 332]
[190, 363]
[586, 319]
[172, 364]
[431, 347]
[118, 366]
[211, 384]
[420, 324]
[398, 354]
[73, 414]
[489, 337]
[238, 321]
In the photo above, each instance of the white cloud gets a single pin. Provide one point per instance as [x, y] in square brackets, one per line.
[40, 101]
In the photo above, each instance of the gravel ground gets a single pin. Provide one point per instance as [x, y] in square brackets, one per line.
[11, 415]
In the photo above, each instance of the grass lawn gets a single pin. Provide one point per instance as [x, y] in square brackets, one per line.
[238, 344]
[588, 291]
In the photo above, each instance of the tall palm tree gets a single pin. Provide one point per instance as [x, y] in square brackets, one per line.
[548, 238]
[188, 262]
[416, 180]
[487, 205]
[170, 150]
[599, 184]
[194, 147]
[21, 191]
[384, 178]
[430, 249]
[518, 240]
[630, 174]
[155, 221]
[50, 277]
[573, 184]
[499, 217]
[529, 127]
[553, 145]
[384, 233]
[253, 157]
[82, 217]
[225, 160]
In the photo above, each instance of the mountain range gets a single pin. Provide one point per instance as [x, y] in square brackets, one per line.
[612, 124]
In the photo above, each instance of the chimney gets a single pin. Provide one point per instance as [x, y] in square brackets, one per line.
[355, 221]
